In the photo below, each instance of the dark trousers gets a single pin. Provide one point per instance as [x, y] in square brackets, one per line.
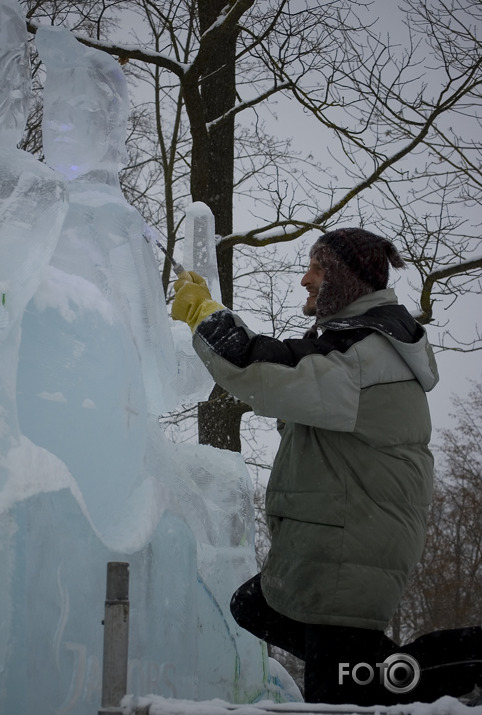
[322, 648]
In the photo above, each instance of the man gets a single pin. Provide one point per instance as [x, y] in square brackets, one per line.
[348, 496]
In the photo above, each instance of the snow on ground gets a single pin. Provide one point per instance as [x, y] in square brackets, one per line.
[156, 705]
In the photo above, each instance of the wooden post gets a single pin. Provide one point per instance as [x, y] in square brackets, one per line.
[116, 638]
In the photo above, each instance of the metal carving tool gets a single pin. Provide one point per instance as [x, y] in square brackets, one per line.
[177, 267]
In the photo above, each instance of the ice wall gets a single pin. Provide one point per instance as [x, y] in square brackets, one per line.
[87, 475]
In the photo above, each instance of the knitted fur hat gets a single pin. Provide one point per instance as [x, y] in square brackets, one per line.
[356, 262]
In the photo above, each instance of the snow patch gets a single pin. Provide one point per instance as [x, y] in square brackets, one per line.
[59, 290]
[32, 470]
[156, 705]
[52, 396]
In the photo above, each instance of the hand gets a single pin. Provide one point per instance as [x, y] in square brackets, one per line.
[193, 302]
[189, 277]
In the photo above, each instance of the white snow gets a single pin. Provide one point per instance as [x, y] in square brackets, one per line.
[52, 396]
[71, 295]
[166, 706]
[33, 470]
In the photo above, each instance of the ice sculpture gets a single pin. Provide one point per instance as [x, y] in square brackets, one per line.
[32, 207]
[96, 480]
[199, 247]
[100, 303]
[194, 382]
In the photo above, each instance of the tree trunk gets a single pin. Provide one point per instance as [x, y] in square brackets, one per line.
[219, 419]
[218, 93]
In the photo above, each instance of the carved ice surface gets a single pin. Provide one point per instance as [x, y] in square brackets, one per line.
[15, 74]
[96, 357]
[33, 202]
[87, 475]
[84, 128]
[194, 382]
[200, 246]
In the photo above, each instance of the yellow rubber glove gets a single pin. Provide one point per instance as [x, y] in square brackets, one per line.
[193, 302]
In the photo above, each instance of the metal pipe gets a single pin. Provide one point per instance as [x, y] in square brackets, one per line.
[116, 636]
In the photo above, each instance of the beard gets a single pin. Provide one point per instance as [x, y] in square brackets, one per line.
[309, 311]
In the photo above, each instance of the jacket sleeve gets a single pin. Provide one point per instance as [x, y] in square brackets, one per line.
[312, 382]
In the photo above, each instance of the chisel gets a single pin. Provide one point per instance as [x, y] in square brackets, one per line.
[178, 268]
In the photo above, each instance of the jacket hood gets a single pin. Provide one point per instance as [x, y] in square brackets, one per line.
[380, 311]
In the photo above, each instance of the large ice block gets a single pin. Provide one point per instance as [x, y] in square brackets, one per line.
[87, 475]
[33, 202]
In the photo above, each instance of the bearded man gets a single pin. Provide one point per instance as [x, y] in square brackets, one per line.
[351, 484]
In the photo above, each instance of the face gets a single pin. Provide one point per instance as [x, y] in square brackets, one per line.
[85, 106]
[312, 281]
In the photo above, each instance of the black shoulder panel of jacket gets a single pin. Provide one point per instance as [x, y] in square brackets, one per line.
[392, 320]
[233, 343]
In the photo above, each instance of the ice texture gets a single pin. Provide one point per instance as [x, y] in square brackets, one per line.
[15, 74]
[199, 249]
[194, 382]
[96, 357]
[82, 133]
[87, 475]
[33, 202]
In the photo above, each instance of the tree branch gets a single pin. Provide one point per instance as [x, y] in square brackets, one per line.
[126, 52]
[426, 301]
[225, 25]
[247, 105]
[277, 232]
[251, 237]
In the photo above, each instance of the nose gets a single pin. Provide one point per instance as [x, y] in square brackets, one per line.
[307, 278]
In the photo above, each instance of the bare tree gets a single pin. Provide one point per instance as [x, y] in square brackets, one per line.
[397, 124]
[446, 588]
[395, 146]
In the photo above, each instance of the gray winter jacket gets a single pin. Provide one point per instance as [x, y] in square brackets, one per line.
[351, 484]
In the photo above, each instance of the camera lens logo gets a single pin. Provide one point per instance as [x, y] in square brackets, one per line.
[401, 673]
